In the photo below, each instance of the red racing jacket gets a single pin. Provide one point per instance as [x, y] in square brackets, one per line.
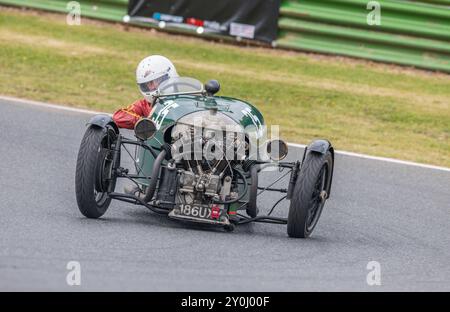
[128, 116]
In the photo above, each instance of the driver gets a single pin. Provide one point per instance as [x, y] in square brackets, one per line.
[150, 73]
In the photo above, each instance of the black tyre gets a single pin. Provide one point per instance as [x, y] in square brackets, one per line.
[93, 175]
[310, 194]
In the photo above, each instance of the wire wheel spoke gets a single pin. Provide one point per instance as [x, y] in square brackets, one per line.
[316, 202]
[104, 171]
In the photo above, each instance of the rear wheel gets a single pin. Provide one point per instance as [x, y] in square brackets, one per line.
[310, 194]
[94, 176]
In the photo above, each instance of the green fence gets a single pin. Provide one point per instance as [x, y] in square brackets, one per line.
[411, 33]
[414, 33]
[111, 10]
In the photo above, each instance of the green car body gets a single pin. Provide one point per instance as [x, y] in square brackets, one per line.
[167, 111]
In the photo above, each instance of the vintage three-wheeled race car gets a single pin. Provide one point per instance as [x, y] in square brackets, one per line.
[197, 158]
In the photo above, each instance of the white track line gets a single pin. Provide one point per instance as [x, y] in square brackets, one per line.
[351, 154]
[392, 160]
[52, 106]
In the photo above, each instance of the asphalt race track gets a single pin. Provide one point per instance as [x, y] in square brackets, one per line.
[398, 215]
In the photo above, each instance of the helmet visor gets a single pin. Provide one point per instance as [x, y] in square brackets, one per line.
[152, 85]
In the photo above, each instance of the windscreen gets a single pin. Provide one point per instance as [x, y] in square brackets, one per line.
[180, 85]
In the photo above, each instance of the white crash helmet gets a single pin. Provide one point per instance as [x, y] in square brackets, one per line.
[151, 72]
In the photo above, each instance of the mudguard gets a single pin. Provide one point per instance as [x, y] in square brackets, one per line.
[322, 146]
[102, 121]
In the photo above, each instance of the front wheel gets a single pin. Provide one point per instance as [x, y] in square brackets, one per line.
[310, 194]
[94, 175]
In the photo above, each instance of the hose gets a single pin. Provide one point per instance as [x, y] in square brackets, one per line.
[150, 191]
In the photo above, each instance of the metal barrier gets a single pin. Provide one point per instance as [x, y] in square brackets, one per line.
[413, 33]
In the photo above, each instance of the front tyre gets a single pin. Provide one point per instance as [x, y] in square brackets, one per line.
[93, 175]
[310, 194]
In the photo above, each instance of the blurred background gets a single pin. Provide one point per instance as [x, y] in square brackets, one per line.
[370, 75]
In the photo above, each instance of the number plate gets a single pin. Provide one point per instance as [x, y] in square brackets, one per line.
[202, 212]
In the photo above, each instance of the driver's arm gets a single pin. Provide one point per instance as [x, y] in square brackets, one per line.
[128, 116]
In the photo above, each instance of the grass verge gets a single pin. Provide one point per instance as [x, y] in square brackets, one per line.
[359, 106]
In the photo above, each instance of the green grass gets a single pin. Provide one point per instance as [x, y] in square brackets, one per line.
[361, 107]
